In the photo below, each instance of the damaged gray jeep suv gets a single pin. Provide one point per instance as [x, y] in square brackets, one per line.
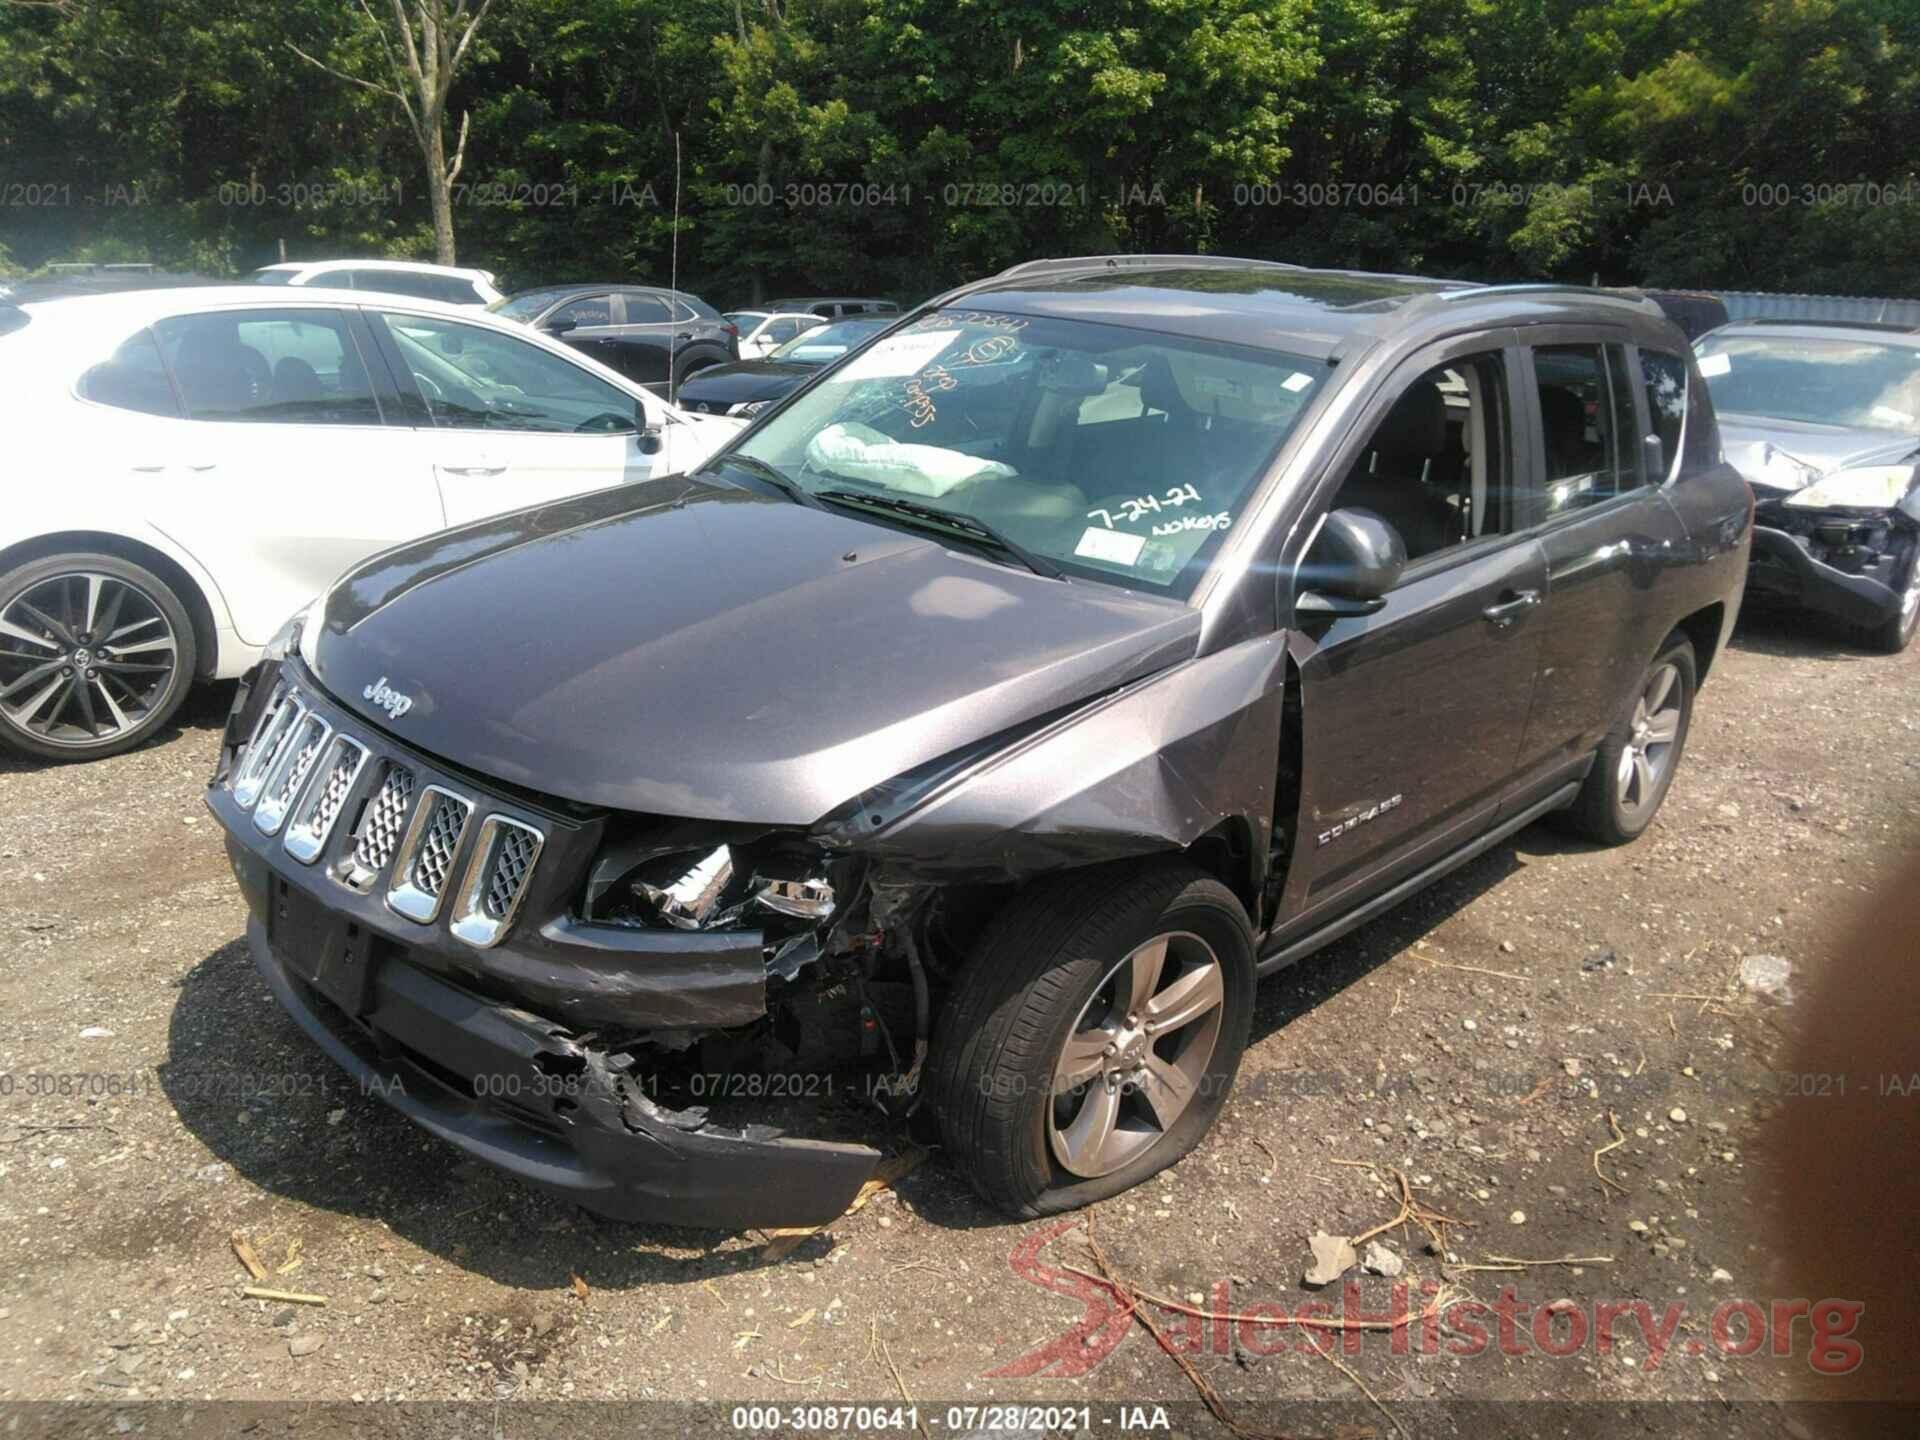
[983, 723]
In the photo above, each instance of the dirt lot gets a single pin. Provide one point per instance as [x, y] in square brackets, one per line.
[1474, 1042]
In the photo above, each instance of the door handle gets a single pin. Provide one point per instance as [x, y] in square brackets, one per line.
[474, 469]
[1510, 609]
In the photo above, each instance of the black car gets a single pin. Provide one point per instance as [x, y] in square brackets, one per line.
[657, 337]
[1824, 421]
[747, 387]
[990, 716]
[830, 307]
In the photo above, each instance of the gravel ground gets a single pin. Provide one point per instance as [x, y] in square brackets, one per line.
[1473, 1042]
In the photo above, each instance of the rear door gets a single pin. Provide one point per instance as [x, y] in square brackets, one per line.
[283, 472]
[1412, 716]
[644, 338]
[501, 422]
[1608, 533]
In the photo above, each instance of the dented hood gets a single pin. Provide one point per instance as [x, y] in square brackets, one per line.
[688, 647]
[1790, 455]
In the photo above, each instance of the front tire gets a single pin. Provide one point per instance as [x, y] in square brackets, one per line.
[96, 654]
[1094, 1034]
[1896, 632]
[1635, 765]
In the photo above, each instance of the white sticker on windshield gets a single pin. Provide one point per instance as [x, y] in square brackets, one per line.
[1711, 365]
[1888, 413]
[899, 355]
[1299, 380]
[1116, 547]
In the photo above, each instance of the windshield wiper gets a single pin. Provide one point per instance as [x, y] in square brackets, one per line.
[952, 520]
[761, 470]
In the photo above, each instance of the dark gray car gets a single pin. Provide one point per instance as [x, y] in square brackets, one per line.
[653, 336]
[980, 726]
[1824, 421]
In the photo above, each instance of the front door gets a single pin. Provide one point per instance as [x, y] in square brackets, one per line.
[507, 423]
[1411, 717]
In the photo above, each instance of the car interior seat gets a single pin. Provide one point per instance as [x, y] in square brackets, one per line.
[296, 383]
[1391, 476]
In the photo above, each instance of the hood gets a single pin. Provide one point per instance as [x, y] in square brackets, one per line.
[691, 648]
[719, 386]
[1754, 447]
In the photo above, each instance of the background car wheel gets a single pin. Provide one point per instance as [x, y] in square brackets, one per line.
[1094, 1034]
[1636, 762]
[1896, 632]
[96, 653]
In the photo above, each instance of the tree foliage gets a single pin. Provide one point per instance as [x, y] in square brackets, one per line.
[900, 146]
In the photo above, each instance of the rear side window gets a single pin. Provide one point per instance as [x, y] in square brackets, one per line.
[1665, 377]
[133, 378]
[297, 367]
[12, 318]
[646, 310]
[1587, 425]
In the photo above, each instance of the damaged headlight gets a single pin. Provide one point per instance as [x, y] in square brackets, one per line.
[1867, 487]
[298, 635]
[724, 888]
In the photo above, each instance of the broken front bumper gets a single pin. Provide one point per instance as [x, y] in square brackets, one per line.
[492, 1048]
[1798, 566]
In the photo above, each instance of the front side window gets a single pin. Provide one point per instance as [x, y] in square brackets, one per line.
[475, 379]
[1857, 384]
[1439, 466]
[590, 310]
[1103, 450]
[133, 378]
[1665, 377]
[286, 366]
[1587, 425]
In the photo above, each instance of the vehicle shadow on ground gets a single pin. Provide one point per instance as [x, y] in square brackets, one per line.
[206, 709]
[1786, 633]
[246, 1081]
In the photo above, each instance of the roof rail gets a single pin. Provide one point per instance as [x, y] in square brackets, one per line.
[1115, 262]
[1809, 323]
[1549, 287]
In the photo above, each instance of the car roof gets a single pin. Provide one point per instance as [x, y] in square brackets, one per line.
[832, 300]
[1266, 303]
[412, 267]
[134, 308]
[1879, 332]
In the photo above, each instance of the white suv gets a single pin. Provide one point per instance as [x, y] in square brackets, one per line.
[388, 277]
[187, 467]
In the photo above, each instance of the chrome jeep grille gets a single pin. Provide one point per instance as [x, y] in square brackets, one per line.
[298, 772]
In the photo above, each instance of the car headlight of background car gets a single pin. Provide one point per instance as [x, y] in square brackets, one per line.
[1867, 487]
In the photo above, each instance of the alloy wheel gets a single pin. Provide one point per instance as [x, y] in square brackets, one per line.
[1648, 755]
[84, 658]
[1137, 1054]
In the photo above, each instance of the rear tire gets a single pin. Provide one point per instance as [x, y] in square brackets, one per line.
[1048, 989]
[1635, 765]
[96, 654]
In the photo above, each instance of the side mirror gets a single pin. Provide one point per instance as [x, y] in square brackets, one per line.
[649, 440]
[560, 327]
[1656, 458]
[1355, 560]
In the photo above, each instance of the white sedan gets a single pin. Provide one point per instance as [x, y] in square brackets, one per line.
[764, 331]
[185, 468]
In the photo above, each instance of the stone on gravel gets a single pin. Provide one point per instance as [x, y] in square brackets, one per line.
[1332, 1257]
[1766, 976]
[301, 1345]
[1380, 1260]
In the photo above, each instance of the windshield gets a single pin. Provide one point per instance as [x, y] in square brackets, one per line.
[1844, 382]
[271, 277]
[829, 342]
[1113, 453]
[527, 304]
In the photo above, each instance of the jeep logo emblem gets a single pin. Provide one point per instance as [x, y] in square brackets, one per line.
[387, 698]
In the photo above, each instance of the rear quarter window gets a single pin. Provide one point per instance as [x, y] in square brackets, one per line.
[134, 377]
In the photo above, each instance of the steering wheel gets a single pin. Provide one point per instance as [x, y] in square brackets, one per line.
[607, 422]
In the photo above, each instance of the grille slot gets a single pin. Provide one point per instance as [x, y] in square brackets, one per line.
[424, 864]
[381, 825]
[269, 733]
[496, 880]
[292, 766]
[339, 768]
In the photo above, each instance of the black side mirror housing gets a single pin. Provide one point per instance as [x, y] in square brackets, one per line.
[559, 327]
[649, 440]
[1356, 559]
[1656, 458]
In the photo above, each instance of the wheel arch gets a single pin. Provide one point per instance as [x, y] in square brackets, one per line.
[183, 583]
[1703, 629]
